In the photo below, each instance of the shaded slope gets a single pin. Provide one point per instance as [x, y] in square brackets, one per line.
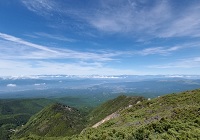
[15, 106]
[55, 120]
[15, 112]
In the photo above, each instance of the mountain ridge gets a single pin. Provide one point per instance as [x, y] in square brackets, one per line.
[172, 116]
[54, 120]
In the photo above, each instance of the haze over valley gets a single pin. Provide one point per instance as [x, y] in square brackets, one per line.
[95, 85]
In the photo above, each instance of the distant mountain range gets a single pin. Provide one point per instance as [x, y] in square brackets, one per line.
[95, 86]
[99, 76]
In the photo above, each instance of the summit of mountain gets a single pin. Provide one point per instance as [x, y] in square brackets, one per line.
[54, 120]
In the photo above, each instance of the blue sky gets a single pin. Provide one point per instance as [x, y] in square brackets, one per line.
[105, 37]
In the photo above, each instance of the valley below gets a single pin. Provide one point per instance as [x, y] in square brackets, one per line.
[100, 108]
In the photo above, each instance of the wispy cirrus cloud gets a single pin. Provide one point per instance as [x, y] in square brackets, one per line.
[111, 16]
[12, 47]
[96, 34]
[132, 17]
[54, 37]
[187, 24]
[28, 50]
[161, 20]
[11, 67]
[166, 50]
[41, 7]
[26, 43]
[21, 57]
[189, 63]
[159, 50]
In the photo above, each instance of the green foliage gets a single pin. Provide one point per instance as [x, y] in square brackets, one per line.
[55, 120]
[111, 106]
[16, 112]
[29, 106]
[174, 116]
[170, 117]
[5, 131]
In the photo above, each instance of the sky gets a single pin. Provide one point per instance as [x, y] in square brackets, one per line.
[99, 37]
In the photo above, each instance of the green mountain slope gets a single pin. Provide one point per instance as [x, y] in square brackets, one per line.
[15, 106]
[170, 117]
[174, 116]
[110, 107]
[15, 112]
[55, 120]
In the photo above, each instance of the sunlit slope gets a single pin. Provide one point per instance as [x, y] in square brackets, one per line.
[112, 106]
[174, 116]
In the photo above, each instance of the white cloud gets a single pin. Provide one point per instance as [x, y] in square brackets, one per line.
[11, 85]
[55, 37]
[42, 7]
[131, 18]
[16, 48]
[11, 67]
[136, 18]
[109, 16]
[188, 63]
[159, 50]
[40, 84]
[168, 49]
[187, 24]
[20, 57]
[22, 42]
